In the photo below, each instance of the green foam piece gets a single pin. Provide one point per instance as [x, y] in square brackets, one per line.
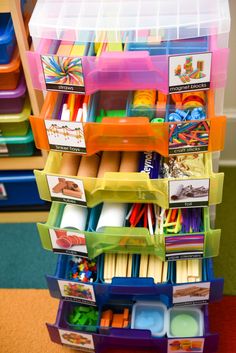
[158, 120]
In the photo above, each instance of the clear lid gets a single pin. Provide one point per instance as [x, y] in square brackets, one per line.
[128, 20]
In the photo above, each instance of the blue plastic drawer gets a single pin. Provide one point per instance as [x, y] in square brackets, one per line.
[7, 38]
[18, 188]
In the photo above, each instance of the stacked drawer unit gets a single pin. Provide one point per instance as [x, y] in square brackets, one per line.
[130, 168]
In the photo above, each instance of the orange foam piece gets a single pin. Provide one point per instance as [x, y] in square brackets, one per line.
[125, 323]
[108, 314]
[126, 314]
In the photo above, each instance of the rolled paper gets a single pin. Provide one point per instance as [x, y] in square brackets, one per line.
[72, 193]
[89, 166]
[74, 217]
[69, 164]
[129, 162]
[110, 162]
[149, 163]
[112, 215]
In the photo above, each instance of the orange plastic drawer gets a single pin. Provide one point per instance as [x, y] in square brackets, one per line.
[129, 133]
[10, 73]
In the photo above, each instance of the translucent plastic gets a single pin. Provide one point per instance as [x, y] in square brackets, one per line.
[126, 133]
[12, 101]
[128, 21]
[124, 239]
[10, 73]
[127, 187]
[16, 124]
[17, 146]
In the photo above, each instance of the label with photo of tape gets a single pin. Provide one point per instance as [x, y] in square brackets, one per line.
[189, 193]
[82, 341]
[66, 189]
[77, 292]
[65, 136]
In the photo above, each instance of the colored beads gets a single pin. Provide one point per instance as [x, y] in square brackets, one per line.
[83, 270]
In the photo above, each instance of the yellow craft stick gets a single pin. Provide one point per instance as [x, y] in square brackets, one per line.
[64, 48]
[195, 270]
[109, 267]
[129, 267]
[155, 268]
[78, 49]
[181, 271]
[178, 223]
[164, 271]
[143, 266]
[121, 265]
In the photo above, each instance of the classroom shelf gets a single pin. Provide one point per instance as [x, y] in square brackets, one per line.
[134, 285]
[130, 132]
[63, 333]
[126, 240]
[127, 187]
[23, 217]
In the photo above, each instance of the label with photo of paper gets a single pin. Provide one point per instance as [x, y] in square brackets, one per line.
[189, 137]
[187, 246]
[189, 193]
[183, 345]
[68, 242]
[3, 193]
[191, 293]
[63, 73]
[66, 189]
[77, 291]
[189, 72]
[82, 341]
[65, 136]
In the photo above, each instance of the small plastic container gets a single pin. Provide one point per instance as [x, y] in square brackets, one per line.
[17, 146]
[12, 101]
[10, 73]
[150, 316]
[16, 124]
[7, 38]
[185, 322]
[18, 188]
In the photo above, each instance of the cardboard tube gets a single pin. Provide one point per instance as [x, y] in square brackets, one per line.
[89, 166]
[129, 162]
[74, 217]
[110, 162]
[112, 215]
[59, 186]
[69, 164]
[72, 193]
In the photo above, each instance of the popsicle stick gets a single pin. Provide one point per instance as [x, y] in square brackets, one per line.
[194, 270]
[89, 166]
[143, 266]
[121, 265]
[110, 162]
[129, 266]
[65, 48]
[109, 267]
[164, 271]
[181, 271]
[155, 268]
[129, 162]
[69, 164]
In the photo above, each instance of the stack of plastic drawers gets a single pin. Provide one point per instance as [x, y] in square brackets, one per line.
[16, 138]
[130, 168]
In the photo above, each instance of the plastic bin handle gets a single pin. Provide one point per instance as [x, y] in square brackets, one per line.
[127, 121]
[125, 61]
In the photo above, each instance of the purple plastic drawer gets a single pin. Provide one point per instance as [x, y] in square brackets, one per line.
[12, 101]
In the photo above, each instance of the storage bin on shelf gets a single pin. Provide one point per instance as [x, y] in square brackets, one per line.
[10, 73]
[127, 239]
[18, 188]
[16, 124]
[60, 283]
[141, 66]
[12, 101]
[129, 187]
[115, 124]
[16, 146]
[97, 336]
[7, 38]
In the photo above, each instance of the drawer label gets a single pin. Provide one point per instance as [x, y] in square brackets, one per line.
[82, 341]
[66, 189]
[77, 292]
[191, 72]
[63, 73]
[3, 193]
[189, 137]
[183, 345]
[68, 242]
[189, 294]
[186, 246]
[189, 193]
[65, 136]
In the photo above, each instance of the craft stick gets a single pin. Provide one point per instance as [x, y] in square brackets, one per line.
[129, 162]
[143, 266]
[69, 164]
[121, 265]
[155, 268]
[112, 215]
[110, 162]
[78, 49]
[194, 269]
[89, 166]
[64, 48]
[181, 271]
[109, 267]
[129, 266]
[165, 271]
[74, 216]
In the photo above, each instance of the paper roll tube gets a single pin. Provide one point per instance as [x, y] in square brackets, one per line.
[129, 162]
[73, 193]
[112, 215]
[69, 164]
[89, 166]
[74, 217]
[110, 162]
